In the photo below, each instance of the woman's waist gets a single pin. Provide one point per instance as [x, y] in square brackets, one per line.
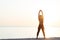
[41, 23]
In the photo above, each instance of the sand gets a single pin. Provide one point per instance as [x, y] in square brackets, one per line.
[53, 38]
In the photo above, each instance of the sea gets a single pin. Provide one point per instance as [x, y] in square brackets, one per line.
[27, 32]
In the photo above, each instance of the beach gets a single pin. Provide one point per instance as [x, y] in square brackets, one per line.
[53, 38]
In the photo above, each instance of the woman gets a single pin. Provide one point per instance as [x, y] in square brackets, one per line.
[41, 25]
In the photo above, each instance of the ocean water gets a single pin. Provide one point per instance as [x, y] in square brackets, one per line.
[27, 32]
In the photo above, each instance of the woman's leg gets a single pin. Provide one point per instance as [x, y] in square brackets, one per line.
[38, 31]
[43, 32]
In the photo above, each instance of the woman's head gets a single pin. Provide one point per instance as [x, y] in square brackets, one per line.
[40, 12]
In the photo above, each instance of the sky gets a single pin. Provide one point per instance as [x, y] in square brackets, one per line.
[25, 12]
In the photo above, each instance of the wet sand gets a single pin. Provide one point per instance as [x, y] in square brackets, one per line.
[53, 38]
